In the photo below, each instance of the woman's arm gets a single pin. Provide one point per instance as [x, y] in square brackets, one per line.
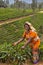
[18, 41]
[26, 43]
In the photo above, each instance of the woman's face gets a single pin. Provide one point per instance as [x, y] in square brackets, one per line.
[27, 28]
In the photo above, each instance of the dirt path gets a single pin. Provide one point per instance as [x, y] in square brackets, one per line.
[27, 63]
[4, 64]
[40, 12]
[15, 19]
[12, 20]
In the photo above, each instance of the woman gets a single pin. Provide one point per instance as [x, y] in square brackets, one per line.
[32, 39]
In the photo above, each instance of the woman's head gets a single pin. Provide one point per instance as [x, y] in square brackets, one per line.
[28, 26]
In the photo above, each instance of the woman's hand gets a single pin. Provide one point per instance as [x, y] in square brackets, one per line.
[14, 44]
[23, 47]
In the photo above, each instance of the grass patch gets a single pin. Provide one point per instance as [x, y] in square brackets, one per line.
[13, 31]
[9, 13]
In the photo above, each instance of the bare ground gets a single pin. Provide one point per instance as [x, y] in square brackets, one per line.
[4, 64]
[26, 63]
[40, 12]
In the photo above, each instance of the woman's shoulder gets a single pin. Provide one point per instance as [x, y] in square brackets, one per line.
[33, 32]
